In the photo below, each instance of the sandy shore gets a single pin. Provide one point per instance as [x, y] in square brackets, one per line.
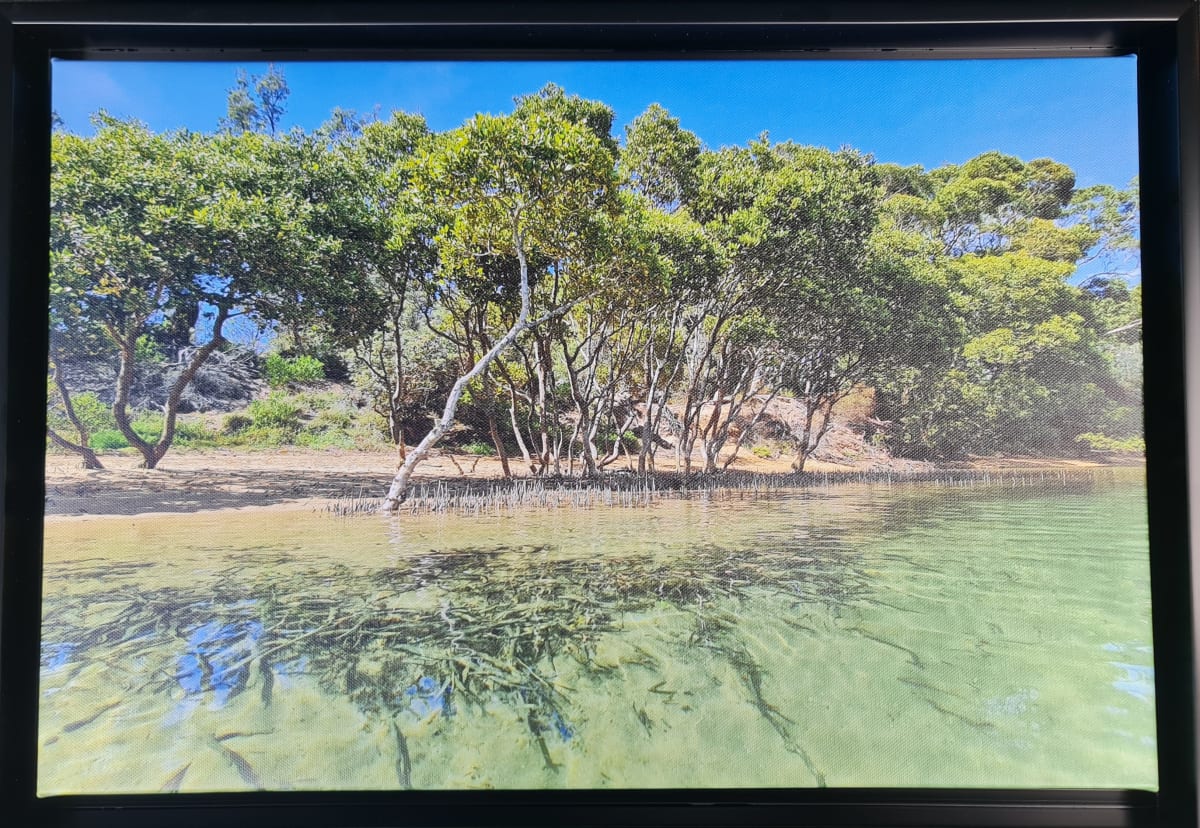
[193, 481]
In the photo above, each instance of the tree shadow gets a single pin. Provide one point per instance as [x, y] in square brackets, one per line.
[193, 491]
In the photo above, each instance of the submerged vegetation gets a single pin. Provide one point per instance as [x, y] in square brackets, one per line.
[475, 654]
[530, 286]
[494, 645]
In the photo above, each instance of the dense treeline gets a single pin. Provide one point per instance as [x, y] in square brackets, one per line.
[575, 297]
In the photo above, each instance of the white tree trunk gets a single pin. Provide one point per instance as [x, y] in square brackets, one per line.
[398, 490]
[399, 487]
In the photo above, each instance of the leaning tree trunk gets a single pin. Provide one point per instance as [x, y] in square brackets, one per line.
[399, 488]
[90, 460]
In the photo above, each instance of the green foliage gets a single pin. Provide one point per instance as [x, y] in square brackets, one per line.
[256, 102]
[280, 370]
[318, 420]
[91, 411]
[194, 435]
[148, 426]
[325, 439]
[275, 411]
[267, 437]
[1044, 239]
[660, 158]
[530, 181]
[763, 452]
[275, 370]
[147, 351]
[480, 449]
[404, 253]
[108, 440]
[1103, 443]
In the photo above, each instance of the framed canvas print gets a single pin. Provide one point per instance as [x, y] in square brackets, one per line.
[769, 414]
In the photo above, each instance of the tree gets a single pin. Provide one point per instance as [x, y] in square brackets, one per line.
[1033, 367]
[145, 225]
[510, 186]
[659, 158]
[385, 253]
[256, 102]
[122, 232]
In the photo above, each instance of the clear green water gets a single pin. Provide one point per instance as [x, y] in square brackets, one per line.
[860, 635]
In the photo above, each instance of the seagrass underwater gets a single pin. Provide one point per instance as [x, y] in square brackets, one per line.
[812, 632]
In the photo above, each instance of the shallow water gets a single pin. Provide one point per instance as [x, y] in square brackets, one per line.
[857, 635]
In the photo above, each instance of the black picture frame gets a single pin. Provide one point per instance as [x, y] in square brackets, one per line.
[1164, 34]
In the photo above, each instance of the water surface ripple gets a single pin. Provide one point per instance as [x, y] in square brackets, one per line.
[863, 635]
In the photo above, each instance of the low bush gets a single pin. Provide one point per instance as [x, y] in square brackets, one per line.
[194, 435]
[94, 414]
[148, 427]
[479, 449]
[1112, 445]
[332, 420]
[280, 370]
[258, 436]
[108, 439]
[275, 411]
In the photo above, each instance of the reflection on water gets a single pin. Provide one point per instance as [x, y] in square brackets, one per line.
[876, 635]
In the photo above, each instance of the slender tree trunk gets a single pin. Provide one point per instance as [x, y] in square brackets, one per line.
[750, 428]
[810, 441]
[90, 460]
[543, 405]
[618, 443]
[399, 488]
[709, 441]
[516, 429]
[501, 452]
[120, 406]
[802, 450]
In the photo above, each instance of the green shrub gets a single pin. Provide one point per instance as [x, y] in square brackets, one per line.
[150, 430]
[147, 352]
[193, 434]
[94, 414]
[148, 427]
[319, 401]
[1104, 443]
[279, 370]
[306, 369]
[275, 411]
[107, 440]
[275, 370]
[332, 420]
[762, 451]
[480, 449]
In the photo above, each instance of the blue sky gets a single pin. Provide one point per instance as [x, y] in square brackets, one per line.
[1079, 111]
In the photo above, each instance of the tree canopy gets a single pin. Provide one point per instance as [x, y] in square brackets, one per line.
[578, 296]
